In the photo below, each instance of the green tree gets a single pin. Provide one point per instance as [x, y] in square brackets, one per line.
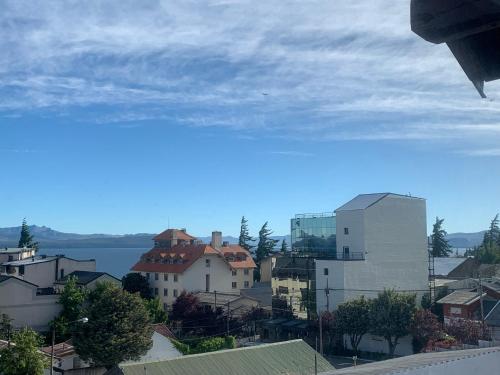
[5, 327]
[155, 309]
[245, 239]
[266, 243]
[492, 235]
[489, 251]
[23, 357]
[134, 282]
[26, 239]
[118, 328]
[391, 316]
[440, 245]
[425, 327]
[353, 318]
[284, 247]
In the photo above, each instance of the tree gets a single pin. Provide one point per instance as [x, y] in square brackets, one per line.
[5, 327]
[245, 238]
[26, 239]
[284, 247]
[425, 328]
[156, 311]
[489, 251]
[118, 327]
[185, 306]
[136, 283]
[266, 244]
[353, 318]
[440, 245]
[23, 356]
[391, 316]
[492, 235]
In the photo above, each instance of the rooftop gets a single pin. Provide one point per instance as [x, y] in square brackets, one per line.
[41, 259]
[363, 201]
[493, 317]
[288, 357]
[171, 234]
[460, 297]
[15, 250]
[84, 277]
[410, 363]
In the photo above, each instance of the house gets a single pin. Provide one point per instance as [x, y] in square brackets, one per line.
[237, 304]
[461, 304]
[288, 357]
[458, 362]
[473, 268]
[65, 357]
[179, 262]
[9, 254]
[26, 304]
[162, 348]
[492, 321]
[43, 270]
[381, 243]
[87, 279]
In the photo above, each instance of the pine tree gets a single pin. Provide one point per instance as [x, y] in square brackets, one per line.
[440, 245]
[489, 251]
[492, 235]
[266, 244]
[245, 238]
[284, 246]
[26, 239]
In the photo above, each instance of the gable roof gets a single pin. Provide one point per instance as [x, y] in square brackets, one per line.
[294, 356]
[493, 317]
[84, 277]
[163, 330]
[171, 234]
[460, 297]
[4, 278]
[363, 201]
[404, 365]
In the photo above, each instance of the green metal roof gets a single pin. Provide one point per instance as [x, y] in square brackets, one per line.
[289, 357]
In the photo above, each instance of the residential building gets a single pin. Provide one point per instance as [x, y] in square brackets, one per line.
[23, 302]
[87, 279]
[43, 270]
[457, 362]
[266, 268]
[492, 320]
[288, 357]
[381, 244]
[237, 304]
[9, 254]
[314, 234]
[65, 357]
[461, 304]
[179, 262]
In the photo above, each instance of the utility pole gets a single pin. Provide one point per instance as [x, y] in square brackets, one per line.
[320, 333]
[481, 301]
[52, 349]
[227, 318]
[308, 305]
[215, 301]
[316, 358]
[327, 294]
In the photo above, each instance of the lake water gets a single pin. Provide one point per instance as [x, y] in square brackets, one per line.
[115, 261]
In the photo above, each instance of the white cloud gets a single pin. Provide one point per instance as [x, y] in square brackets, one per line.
[332, 70]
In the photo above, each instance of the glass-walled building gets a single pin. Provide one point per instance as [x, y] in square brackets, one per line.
[314, 234]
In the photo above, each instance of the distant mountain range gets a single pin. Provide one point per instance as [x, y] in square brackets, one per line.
[50, 238]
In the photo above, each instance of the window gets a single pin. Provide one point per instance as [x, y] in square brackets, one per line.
[62, 273]
[147, 275]
[207, 262]
[176, 278]
[11, 258]
[21, 270]
[282, 290]
[247, 284]
[175, 292]
[346, 252]
[234, 285]
[346, 230]
[246, 271]
[156, 291]
[325, 271]
[234, 273]
[156, 276]
[165, 292]
[456, 310]
[165, 277]
[165, 307]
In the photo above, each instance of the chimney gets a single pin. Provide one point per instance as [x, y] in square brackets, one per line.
[216, 239]
[225, 243]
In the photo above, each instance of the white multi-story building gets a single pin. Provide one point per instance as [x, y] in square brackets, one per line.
[381, 244]
[179, 262]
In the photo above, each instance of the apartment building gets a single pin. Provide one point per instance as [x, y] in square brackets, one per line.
[381, 243]
[179, 262]
[10, 254]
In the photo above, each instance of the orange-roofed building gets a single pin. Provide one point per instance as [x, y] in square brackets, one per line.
[179, 262]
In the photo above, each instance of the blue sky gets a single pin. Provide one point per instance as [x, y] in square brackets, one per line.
[124, 116]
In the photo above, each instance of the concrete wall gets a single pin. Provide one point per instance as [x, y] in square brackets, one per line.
[266, 269]
[376, 344]
[393, 235]
[20, 302]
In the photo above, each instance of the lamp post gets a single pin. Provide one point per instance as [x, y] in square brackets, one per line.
[82, 320]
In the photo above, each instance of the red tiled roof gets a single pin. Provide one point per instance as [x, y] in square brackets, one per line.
[61, 350]
[169, 234]
[163, 330]
[238, 250]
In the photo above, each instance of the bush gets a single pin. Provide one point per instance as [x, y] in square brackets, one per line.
[467, 331]
[206, 345]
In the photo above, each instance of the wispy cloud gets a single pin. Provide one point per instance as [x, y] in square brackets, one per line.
[483, 152]
[316, 70]
[290, 153]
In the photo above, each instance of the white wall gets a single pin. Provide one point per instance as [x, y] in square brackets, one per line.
[376, 344]
[20, 302]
